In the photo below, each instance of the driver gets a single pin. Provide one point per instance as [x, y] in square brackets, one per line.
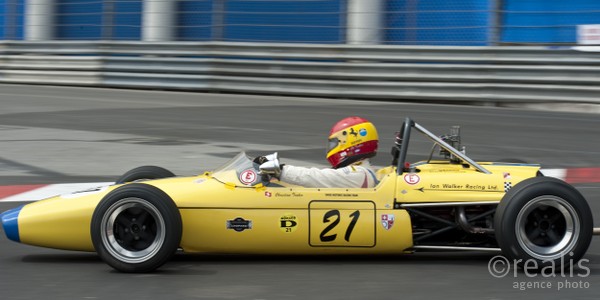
[352, 141]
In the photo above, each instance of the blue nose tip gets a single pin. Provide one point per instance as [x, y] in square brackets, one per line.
[10, 222]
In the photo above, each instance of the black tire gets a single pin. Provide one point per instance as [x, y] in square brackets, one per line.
[136, 228]
[144, 173]
[546, 220]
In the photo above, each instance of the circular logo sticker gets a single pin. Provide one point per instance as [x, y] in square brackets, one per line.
[412, 179]
[288, 223]
[362, 132]
[248, 177]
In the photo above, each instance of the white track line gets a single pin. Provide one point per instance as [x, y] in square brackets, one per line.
[53, 190]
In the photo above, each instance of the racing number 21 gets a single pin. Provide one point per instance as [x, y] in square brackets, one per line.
[334, 217]
[341, 224]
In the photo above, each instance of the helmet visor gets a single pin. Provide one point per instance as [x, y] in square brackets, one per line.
[332, 143]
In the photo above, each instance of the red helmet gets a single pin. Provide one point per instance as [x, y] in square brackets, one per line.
[350, 140]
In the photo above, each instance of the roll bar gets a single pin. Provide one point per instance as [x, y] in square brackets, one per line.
[401, 147]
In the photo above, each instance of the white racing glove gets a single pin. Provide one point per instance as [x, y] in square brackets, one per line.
[272, 157]
[271, 166]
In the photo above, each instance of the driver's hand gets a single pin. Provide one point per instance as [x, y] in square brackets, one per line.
[271, 168]
[259, 160]
[263, 159]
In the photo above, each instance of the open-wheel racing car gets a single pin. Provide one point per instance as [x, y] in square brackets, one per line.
[452, 203]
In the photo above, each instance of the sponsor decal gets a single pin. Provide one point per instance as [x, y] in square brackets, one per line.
[507, 186]
[412, 178]
[387, 220]
[268, 194]
[461, 187]
[507, 182]
[362, 132]
[341, 195]
[288, 223]
[239, 224]
[352, 132]
[292, 194]
[248, 177]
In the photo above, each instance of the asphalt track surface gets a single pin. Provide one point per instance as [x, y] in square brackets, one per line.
[59, 134]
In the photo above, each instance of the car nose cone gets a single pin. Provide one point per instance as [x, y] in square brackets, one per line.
[10, 223]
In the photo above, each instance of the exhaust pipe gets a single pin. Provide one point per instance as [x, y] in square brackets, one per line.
[463, 223]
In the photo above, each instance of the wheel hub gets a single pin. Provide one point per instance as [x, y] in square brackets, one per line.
[544, 226]
[135, 228]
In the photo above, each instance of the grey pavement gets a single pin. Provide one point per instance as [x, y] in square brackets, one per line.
[62, 134]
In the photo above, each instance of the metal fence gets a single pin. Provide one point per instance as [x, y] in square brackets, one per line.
[398, 22]
[417, 73]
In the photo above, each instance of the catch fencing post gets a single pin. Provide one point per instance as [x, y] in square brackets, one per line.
[365, 22]
[158, 21]
[39, 20]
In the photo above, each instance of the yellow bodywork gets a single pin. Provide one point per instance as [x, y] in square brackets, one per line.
[224, 217]
[61, 222]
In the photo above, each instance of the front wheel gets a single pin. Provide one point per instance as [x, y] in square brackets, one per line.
[136, 228]
[545, 220]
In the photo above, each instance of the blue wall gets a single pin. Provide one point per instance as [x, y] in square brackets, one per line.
[85, 19]
[11, 19]
[522, 20]
[127, 19]
[320, 21]
[285, 21]
[3, 19]
[420, 22]
[438, 22]
[194, 20]
[78, 19]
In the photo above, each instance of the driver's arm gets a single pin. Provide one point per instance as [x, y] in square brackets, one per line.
[348, 177]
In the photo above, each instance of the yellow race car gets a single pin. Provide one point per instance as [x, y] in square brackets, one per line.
[450, 203]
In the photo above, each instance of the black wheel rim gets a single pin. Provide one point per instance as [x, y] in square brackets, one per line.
[547, 227]
[132, 230]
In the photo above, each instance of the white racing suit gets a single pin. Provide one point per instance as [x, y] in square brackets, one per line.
[357, 175]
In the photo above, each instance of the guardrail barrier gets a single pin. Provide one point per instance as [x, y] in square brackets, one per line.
[419, 73]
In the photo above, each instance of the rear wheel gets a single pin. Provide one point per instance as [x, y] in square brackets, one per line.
[546, 220]
[144, 173]
[136, 228]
